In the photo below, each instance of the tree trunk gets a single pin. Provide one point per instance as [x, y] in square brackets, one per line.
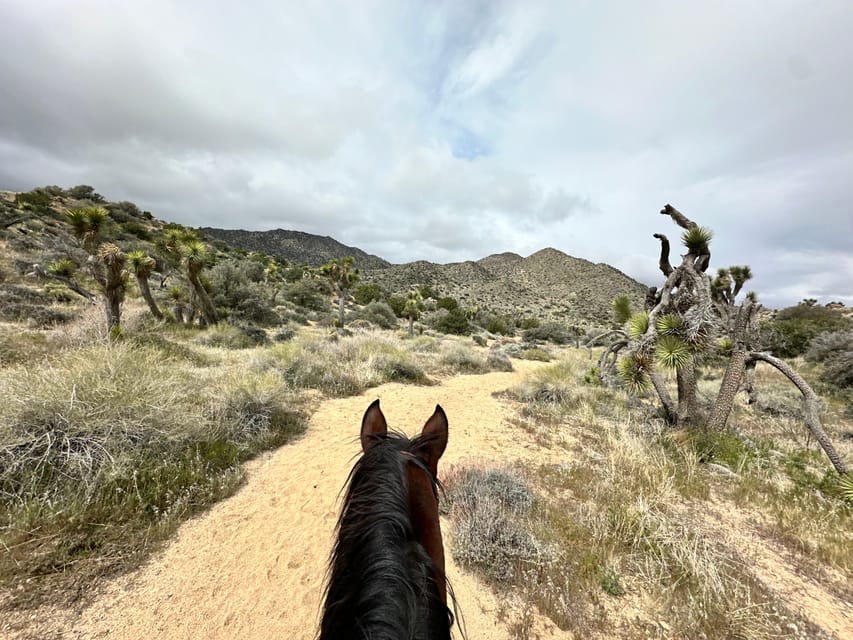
[665, 398]
[342, 301]
[146, 295]
[688, 407]
[811, 407]
[411, 326]
[207, 309]
[728, 390]
[749, 383]
[178, 310]
[734, 372]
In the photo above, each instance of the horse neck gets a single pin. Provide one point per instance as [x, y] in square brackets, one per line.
[382, 582]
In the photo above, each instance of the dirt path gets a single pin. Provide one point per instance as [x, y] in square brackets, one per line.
[253, 566]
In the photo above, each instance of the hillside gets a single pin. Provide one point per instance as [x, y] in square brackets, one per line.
[295, 246]
[548, 283]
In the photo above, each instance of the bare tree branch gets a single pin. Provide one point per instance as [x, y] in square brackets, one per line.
[811, 406]
[663, 263]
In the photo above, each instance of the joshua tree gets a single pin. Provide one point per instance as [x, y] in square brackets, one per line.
[342, 276]
[412, 310]
[143, 266]
[105, 263]
[195, 257]
[113, 279]
[693, 314]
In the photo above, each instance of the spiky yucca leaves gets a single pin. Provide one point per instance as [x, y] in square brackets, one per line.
[64, 267]
[752, 296]
[79, 224]
[669, 324]
[194, 253]
[697, 239]
[634, 369]
[141, 263]
[622, 310]
[87, 224]
[846, 485]
[726, 346]
[672, 352]
[638, 325]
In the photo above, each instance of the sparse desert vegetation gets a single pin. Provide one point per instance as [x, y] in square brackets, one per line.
[613, 519]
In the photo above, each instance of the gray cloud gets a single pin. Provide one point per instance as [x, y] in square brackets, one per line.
[448, 131]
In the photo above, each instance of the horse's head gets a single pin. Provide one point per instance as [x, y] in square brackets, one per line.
[421, 459]
[386, 573]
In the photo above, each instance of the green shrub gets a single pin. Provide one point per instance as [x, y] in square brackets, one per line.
[308, 293]
[789, 334]
[367, 293]
[539, 355]
[452, 322]
[377, 313]
[398, 304]
[555, 332]
[233, 336]
[447, 302]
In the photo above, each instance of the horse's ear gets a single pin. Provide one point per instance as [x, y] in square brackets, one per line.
[435, 439]
[372, 424]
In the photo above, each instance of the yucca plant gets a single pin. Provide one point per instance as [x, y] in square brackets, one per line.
[672, 352]
[634, 370]
[195, 256]
[669, 324]
[846, 485]
[64, 267]
[143, 266]
[622, 310]
[638, 325]
[697, 239]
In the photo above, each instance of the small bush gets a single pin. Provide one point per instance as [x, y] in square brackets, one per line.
[377, 313]
[490, 509]
[233, 337]
[308, 293]
[555, 332]
[367, 293]
[790, 333]
[88, 486]
[537, 354]
[498, 361]
[452, 322]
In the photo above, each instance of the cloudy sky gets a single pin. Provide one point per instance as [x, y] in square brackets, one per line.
[448, 131]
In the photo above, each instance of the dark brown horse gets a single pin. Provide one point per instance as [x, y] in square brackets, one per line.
[386, 577]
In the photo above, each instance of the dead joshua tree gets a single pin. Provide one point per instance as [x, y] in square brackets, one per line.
[693, 314]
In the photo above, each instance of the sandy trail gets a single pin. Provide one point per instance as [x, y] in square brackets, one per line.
[253, 566]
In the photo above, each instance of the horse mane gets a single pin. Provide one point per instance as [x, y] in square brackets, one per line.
[381, 583]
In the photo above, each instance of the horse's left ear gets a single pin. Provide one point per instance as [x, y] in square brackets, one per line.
[435, 439]
[372, 424]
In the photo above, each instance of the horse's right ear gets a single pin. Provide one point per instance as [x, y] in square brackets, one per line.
[372, 424]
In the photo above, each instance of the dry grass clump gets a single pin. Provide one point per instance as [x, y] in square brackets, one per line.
[345, 366]
[456, 357]
[105, 449]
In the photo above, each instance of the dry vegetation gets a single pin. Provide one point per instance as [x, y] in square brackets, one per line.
[107, 445]
[643, 532]
[626, 528]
